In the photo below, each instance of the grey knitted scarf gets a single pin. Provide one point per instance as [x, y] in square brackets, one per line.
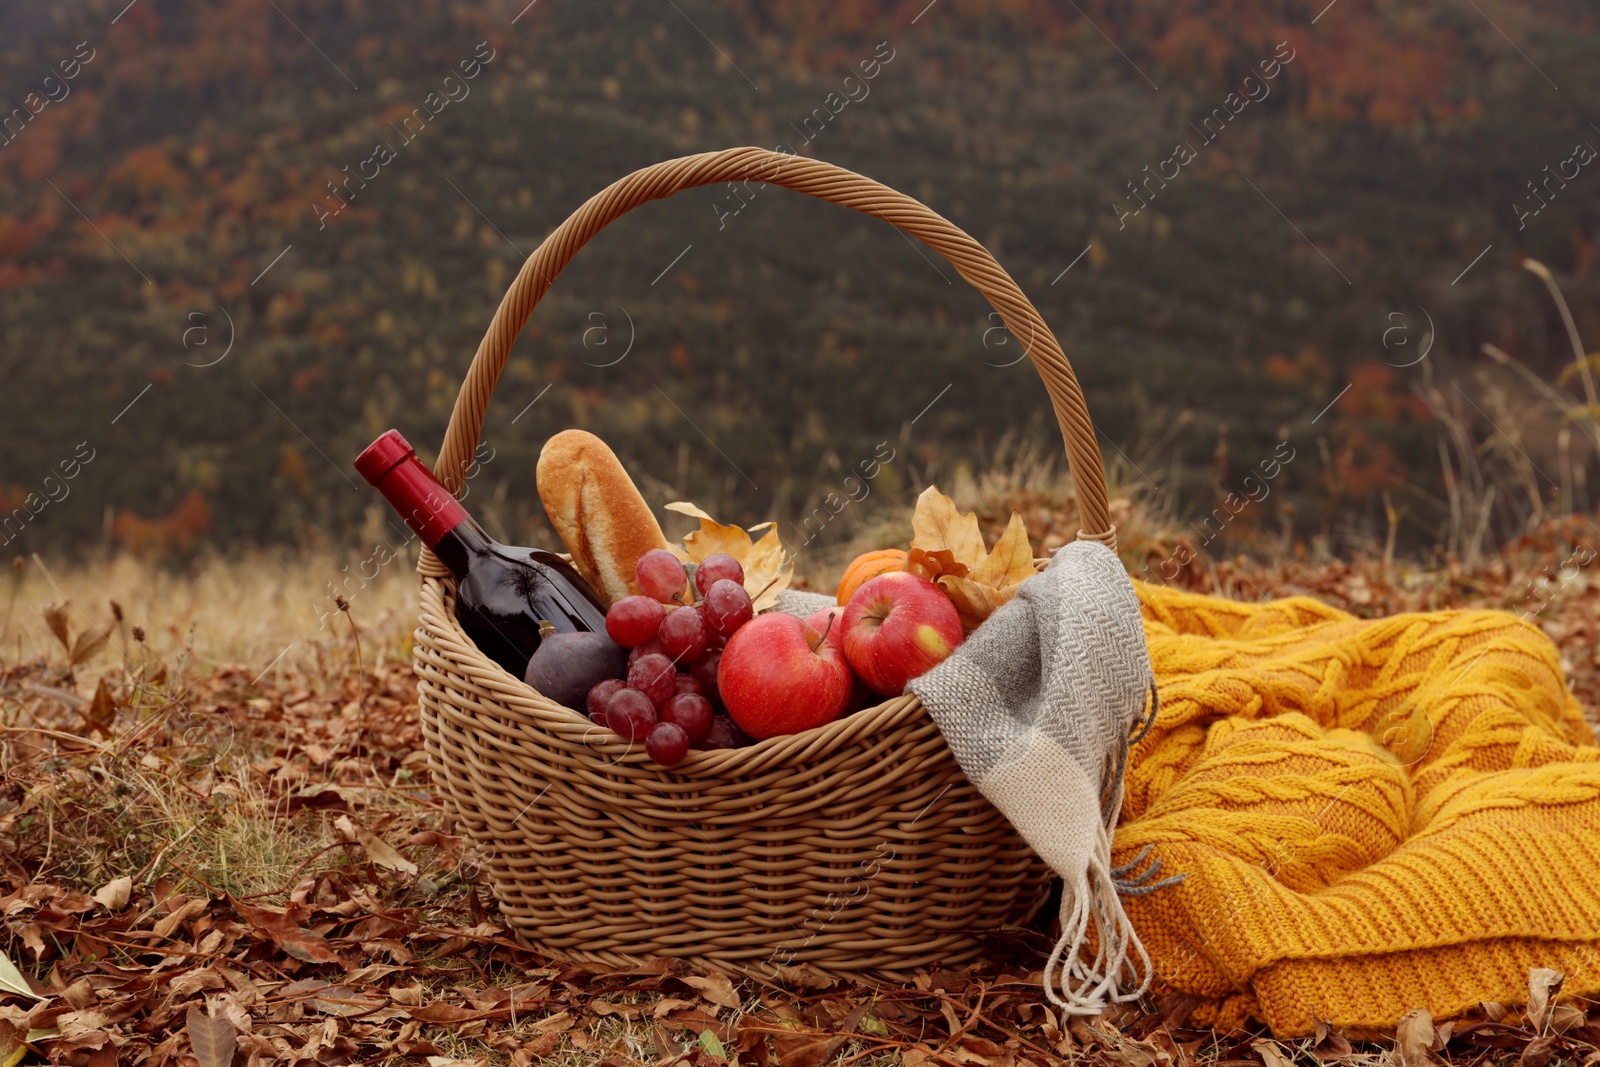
[1037, 705]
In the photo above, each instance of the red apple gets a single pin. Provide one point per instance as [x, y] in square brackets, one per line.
[778, 676]
[829, 622]
[896, 627]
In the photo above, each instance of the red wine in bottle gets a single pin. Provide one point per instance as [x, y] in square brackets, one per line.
[503, 593]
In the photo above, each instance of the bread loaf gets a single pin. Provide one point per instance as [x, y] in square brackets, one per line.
[594, 506]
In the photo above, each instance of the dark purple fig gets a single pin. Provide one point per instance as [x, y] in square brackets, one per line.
[566, 666]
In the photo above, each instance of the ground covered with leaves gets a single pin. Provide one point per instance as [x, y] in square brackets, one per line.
[219, 864]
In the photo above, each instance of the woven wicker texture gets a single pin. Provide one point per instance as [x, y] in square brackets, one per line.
[858, 849]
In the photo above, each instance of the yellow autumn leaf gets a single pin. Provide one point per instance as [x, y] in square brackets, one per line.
[937, 524]
[768, 567]
[1009, 561]
[973, 601]
[983, 579]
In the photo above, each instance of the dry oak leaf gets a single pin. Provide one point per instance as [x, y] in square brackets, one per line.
[991, 576]
[768, 566]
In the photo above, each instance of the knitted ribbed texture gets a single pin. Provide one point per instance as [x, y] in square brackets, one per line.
[1330, 876]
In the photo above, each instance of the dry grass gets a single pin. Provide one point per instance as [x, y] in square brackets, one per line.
[216, 610]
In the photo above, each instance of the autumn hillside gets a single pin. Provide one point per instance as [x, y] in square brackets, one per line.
[215, 282]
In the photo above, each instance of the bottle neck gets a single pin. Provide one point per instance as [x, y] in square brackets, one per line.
[461, 544]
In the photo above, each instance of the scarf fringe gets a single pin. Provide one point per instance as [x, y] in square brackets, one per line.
[1120, 970]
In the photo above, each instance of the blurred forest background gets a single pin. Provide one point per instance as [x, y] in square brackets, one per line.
[181, 301]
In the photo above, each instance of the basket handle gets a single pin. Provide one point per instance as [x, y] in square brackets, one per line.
[826, 182]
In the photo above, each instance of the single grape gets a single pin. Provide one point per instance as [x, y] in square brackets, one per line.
[688, 683]
[715, 568]
[690, 711]
[704, 671]
[728, 607]
[600, 696]
[716, 639]
[652, 645]
[655, 677]
[667, 744]
[684, 635]
[630, 714]
[633, 620]
[661, 576]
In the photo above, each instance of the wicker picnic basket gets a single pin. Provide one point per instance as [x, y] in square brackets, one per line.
[858, 849]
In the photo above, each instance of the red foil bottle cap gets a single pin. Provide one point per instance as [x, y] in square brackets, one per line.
[391, 465]
[381, 456]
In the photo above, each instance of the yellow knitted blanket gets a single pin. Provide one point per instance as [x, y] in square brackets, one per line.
[1373, 816]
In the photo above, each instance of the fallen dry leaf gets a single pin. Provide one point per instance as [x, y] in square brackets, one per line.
[1330, 1043]
[716, 988]
[1414, 1037]
[558, 1023]
[377, 849]
[668, 1004]
[1544, 985]
[189, 909]
[102, 709]
[213, 1038]
[1539, 1051]
[113, 896]
[1271, 1053]
[1565, 1018]
[12, 981]
[296, 940]
[768, 566]
[12, 1048]
[33, 938]
[805, 1049]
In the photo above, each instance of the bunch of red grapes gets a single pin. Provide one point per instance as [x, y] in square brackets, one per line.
[670, 699]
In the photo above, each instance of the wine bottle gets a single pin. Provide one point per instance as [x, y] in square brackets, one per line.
[506, 597]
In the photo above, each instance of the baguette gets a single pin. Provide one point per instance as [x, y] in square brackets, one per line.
[597, 510]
